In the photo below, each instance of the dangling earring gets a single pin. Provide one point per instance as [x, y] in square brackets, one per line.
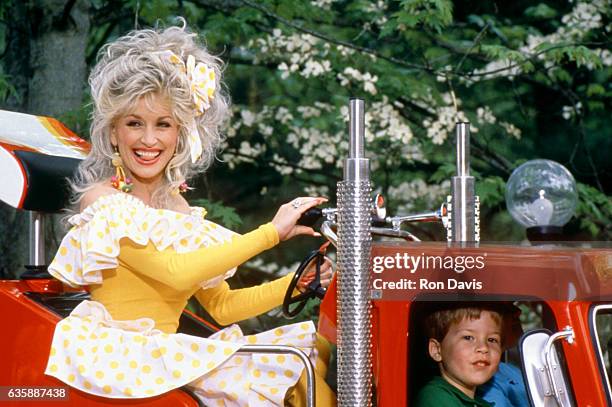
[119, 180]
[181, 189]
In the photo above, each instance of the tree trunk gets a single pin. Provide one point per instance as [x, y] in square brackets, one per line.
[57, 57]
[45, 60]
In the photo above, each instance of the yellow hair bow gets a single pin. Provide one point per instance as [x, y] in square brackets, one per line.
[202, 84]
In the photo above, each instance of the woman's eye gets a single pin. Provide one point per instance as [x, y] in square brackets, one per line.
[133, 123]
[164, 124]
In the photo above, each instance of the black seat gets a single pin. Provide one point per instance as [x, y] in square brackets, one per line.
[47, 184]
[60, 304]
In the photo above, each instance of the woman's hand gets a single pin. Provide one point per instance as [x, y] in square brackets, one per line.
[310, 272]
[289, 213]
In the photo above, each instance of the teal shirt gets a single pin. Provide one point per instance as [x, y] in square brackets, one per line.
[440, 393]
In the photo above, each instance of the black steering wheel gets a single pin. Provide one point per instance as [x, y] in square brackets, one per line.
[314, 289]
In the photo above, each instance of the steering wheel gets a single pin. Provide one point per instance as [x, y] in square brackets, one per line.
[314, 289]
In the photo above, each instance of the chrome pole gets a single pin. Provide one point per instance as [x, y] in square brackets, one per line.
[37, 239]
[354, 245]
[463, 195]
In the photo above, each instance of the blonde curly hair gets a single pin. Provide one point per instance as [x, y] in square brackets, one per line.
[135, 66]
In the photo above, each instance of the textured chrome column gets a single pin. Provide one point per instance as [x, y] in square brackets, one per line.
[463, 191]
[354, 245]
[37, 239]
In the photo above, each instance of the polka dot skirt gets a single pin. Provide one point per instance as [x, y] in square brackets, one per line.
[131, 359]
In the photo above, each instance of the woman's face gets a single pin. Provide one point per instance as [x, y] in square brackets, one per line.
[146, 139]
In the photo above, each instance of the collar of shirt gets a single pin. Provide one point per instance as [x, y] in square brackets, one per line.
[468, 401]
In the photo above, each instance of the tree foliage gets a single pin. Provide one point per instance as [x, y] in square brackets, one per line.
[533, 79]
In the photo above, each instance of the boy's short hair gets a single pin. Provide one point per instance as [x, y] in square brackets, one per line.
[438, 323]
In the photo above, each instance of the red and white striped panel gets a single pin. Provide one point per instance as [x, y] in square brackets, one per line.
[45, 135]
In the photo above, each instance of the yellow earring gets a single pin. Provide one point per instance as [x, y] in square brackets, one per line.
[120, 181]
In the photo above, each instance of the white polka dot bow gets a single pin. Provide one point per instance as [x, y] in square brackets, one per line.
[202, 83]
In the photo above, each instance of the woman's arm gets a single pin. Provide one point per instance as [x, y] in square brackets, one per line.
[227, 306]
[183, 271]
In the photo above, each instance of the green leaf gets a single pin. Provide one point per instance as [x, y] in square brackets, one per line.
[594, 209]
[491, 190]
[595, 89]
[435, 14]
[495, 51]
[444, 172]
[541, 12]
[475, 19]
[6, 88]
[561, 75]
[286, 9]
[216, 211]
[408, 19]
[543, 46]
[388, 28]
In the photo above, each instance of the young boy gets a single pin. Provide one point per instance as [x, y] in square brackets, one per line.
[465, 342]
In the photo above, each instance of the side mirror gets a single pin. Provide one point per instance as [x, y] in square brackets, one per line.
[545, 379]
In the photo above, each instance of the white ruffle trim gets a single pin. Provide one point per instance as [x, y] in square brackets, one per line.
[92, 244]
[131, 359]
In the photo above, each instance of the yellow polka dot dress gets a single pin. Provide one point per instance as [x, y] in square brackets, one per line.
[132, 358]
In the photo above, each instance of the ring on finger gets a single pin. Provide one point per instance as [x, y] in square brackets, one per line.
[296, 203]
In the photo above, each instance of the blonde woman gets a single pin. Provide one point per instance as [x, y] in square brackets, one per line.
[158, 104]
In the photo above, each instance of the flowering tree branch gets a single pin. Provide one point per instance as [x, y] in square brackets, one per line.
[334, 40]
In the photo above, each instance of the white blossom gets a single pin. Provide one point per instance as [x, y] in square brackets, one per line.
[584, 17]
[308, 111]
[258, 263]
[283, 115]
[383, 120]
[316, 190]
[280, 165]
[485, 115]
[248, 118]
[511, 129]
[345, 51]
[570, 111]
[418, 195]
[324, 4]
[353, 75]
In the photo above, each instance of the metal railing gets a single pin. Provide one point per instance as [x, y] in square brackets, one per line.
[283, 349]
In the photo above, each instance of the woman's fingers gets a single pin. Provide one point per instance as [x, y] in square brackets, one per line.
[302, 230]
[288, 214]
[325, 277]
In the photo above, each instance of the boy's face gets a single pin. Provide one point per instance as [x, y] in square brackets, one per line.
[469, 354]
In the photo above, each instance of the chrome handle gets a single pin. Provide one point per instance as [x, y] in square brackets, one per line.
[568, 334]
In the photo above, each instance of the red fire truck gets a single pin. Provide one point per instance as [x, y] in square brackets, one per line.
[565, 291]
